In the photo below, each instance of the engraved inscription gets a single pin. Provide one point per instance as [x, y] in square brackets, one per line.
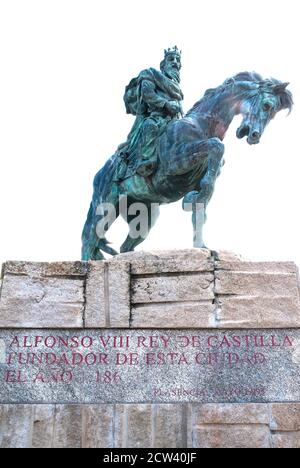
[108, 366]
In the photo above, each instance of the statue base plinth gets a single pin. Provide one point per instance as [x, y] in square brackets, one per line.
[150, 349]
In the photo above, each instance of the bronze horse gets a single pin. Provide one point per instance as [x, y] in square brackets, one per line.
[190, 155]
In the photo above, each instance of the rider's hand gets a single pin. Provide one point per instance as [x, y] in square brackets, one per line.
[173, 107]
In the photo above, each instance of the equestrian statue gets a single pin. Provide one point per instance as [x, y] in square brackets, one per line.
[170, 156]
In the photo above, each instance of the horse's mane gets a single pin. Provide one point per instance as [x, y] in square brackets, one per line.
[286, 98]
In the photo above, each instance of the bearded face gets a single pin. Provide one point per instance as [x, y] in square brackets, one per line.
[171, 67]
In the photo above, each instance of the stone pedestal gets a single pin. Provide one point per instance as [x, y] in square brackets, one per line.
[159, 349]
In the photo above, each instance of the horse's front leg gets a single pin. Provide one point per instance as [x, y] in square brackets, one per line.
[197, 200]
[198, 209]
[139, 225]
[213, 168]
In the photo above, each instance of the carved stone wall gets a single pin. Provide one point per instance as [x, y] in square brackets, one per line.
[151, 426]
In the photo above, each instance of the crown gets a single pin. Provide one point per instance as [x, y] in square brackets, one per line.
[174, 50]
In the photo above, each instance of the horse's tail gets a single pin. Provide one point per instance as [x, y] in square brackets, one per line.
[91, 243]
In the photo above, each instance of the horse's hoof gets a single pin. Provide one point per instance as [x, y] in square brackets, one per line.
[112, 252]
[200, 246]
[97, 256]
[215, 255]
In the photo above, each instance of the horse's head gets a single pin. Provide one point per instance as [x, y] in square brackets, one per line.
[261, 103]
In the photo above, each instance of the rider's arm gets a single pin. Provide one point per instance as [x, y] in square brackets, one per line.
[150, 95]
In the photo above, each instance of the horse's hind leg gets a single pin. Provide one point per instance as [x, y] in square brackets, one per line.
[85, 251]
[137, 233]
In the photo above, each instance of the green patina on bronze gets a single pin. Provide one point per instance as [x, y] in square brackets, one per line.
[169, 156]
[154, 97]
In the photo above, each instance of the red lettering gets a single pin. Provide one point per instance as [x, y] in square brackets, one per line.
[287, 341]
[165, 340]
[21, 358]
[225, 341]
[172, 357]
[33, 358]
[121, 342]
[50, 341]
[150, 359]
[50, 358]
[196, 342]
[63, 341]
[259, 358]
[274, 343]
[86, 342]
[64, 359]
[27, 343]
[14, 377]
[104, 341]
[210, 341]
[40, 377]
[233, 359]
[10, 359]
[153, 342]
[141, 341]
[182, 360]
[103, 358]
[77, 359]
[56, 376]
[90, 359]
[183, 341]
[131, 359]
[37, 341]
[67, 377]
[15, 342]
[74, 342]
[200, 358]
[259, 341]
[212, 359]
[108, 377]
[247, 338]
[237, 341]
[10, 376]
[160, 359]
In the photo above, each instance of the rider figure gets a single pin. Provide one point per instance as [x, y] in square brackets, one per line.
[155, 98]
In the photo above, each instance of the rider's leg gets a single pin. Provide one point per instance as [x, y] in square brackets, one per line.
[148, 153]
[186, 156]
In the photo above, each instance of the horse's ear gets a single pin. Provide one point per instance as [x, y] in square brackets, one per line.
[279, 88]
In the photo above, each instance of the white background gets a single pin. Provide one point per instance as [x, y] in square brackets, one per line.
[64, 66]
